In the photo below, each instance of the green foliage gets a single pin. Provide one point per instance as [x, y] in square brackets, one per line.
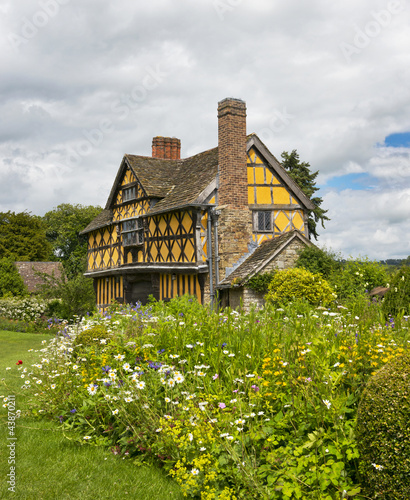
[90, 336]
[233, 406]
[11, 283]
[23, 237]
[260, 282]
[292, 284]
[301, 174]
[63, 225]
[383, 431]
[52, 467]
[77, 295]
[23, 308]
[397, 299]
[356, 277]
[317, 260]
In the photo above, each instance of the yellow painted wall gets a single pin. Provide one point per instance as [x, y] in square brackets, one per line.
[169, 241]
[108, 289]
[204, 236]
[264, 188]
[103, 251]
[131, 209]
[170, 288]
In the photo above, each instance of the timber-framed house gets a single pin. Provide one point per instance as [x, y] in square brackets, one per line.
[173, 226]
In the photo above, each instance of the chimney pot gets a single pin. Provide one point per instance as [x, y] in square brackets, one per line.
[166, 148]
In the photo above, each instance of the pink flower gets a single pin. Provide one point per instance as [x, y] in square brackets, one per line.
[215, 376]
[222, 405]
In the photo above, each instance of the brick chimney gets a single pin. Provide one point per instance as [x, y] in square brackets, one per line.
[233, 180]
[235, 219]
[166, 148]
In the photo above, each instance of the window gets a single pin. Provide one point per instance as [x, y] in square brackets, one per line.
[132, 232]
[129, 194]
[263, 221]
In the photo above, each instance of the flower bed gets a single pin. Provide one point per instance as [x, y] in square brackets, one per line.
[261, 405]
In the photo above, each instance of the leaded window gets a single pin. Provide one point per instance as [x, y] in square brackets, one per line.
[132, 232]
[264, 220]
[129, 193]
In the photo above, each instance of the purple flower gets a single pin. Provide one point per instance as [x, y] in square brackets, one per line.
[73, 410]
[61, 419]
[255, 388]
[222, 405]
[106, 368]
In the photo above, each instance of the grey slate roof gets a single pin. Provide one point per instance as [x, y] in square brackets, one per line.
[192, 177]
[263, 254]
[103, 219]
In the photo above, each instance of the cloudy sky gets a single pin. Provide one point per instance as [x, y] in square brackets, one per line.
[84, 81]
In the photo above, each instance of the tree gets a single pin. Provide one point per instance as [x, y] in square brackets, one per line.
[317, 260]
[76, 295]
[11, 283]
[301, 174]
[63, 225]
[23, 237]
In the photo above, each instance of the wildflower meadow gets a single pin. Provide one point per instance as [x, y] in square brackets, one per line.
[231, 405]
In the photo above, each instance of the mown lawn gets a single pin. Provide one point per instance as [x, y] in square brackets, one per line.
[49, 466]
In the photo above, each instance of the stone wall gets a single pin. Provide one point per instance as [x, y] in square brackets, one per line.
[246, 296]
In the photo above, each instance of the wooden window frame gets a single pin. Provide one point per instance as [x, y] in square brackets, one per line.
[132, 232]
[267, 221]
[129, 193]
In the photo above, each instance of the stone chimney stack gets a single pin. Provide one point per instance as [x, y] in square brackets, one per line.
[235, 217]
[233, 180]
[166, 148]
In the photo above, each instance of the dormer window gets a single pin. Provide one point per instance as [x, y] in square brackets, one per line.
[132, 232]
[129, 193]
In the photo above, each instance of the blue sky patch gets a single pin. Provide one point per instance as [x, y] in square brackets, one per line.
[398, 140]
[360, 181]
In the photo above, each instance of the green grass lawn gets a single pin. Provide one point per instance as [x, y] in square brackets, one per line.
[49, 466]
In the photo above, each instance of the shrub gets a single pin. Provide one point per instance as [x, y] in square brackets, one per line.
[260, 283]
[91, 335]
[383, 431]
[25, 309]
[11, 283]
[293, 284]
[317, 260]
[356, 277]
[77, 296]
[397, 299]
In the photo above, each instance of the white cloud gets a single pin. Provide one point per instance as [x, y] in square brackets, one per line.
[159, 68]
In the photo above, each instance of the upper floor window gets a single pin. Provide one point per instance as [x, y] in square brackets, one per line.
[132, 232]
[264, 221]
[129, 193]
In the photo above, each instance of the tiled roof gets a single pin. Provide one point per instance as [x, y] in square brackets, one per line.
[103, 219]
[178, 183]
[157, 176]
[260, 257]
[28, 270]
[190, 179]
